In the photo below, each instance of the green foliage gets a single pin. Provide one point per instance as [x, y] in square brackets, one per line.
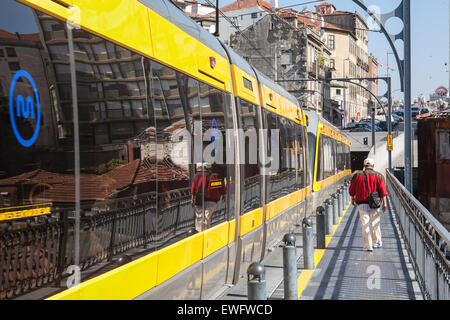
[322, 61]
[102, 168]
[114, 163]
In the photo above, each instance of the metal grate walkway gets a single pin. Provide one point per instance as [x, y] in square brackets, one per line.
[346, 272]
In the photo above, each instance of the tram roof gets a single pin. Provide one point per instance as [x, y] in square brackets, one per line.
[177, 17]
[275, 87]
[240, 62]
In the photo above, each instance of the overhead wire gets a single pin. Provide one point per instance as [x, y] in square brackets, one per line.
[299, 13]
[243, 35]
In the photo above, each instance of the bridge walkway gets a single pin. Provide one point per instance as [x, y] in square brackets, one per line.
[343, 271]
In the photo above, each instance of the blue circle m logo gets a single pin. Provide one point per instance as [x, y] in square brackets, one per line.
[24, 108]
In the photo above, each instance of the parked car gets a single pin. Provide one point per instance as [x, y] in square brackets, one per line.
[364, 127]
[414, 112]
[400, 114]
[397, 118]
[383, 117]
[361, 129]
[383, 125]
[351, 125]
[424, 110]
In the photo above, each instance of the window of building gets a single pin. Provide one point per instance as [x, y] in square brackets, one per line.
[2, 53]
[254, 15]
[444, 145]
[14, 66]
[338, 92]
[332, 63]
[11, 52]
[286, 58]
[331, 41]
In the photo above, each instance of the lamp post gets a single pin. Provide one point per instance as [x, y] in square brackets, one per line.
[345, 91]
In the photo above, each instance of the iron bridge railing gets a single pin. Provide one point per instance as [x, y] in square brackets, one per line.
[35, 253]
[427, 241]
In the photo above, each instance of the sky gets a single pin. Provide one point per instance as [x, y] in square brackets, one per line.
[429, 29]
[429, 43]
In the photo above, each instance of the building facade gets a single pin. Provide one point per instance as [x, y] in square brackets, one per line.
[203, 13]
[288, 52]
[240, 15]
[373, 73]
[346, 34]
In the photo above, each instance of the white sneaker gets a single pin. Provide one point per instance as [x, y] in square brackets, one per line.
[378, 245]
[370, 249]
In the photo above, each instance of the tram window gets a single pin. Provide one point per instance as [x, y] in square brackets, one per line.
[338, 156]
[293, 156]
[343, 165]
[287, 151]
[319, 170]
[284, 143]
[334, 168]
[46, 166]
[212, 110]
[348, 157]
[273, 169]
[326, 154]
[171, 159]
[329, 168]
[300, 155]
[229, 157]
[132, 113]
[250, 170]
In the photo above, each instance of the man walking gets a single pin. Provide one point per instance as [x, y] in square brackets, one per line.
[364, 183]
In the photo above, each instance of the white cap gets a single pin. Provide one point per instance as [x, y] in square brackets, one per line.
[369, 162]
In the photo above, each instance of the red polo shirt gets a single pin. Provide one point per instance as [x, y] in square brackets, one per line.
[375, 181]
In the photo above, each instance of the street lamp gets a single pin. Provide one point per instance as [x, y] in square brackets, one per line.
[345, 91]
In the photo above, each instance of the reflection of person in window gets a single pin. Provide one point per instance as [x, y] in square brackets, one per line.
[209, 185]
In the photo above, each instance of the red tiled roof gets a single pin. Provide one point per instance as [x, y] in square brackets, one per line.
[337, 13]
[332, 26]
[200, 16]
[30, 37]
[305, 20]
[93, 186]
[245, 4]
[325, 4]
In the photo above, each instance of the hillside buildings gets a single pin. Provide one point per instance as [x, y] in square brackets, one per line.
[299, 49]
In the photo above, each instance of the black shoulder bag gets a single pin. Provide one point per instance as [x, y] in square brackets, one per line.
[374, 197]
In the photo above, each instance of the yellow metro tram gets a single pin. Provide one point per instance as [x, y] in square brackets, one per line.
[150, 83]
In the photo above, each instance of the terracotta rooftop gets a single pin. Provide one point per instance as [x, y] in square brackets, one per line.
[200, 16]
[325, 4]
[93, 186]
[305, 20]
[30, 37]
[245, 4]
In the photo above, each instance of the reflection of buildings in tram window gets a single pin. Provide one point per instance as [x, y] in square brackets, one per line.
[110, 87]
[148, 146]
[25, 52]
[123, 181]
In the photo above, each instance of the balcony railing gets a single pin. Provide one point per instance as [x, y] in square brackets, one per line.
[313, 70]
